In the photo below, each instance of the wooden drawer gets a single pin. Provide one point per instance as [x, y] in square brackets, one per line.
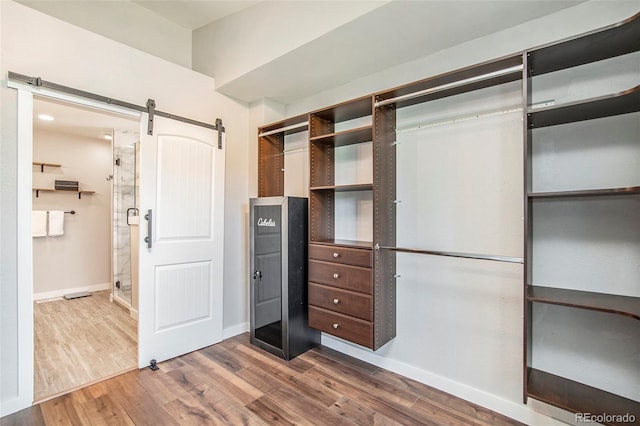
[347, 277]
[352, 329]
[343, 301]
[350, 256]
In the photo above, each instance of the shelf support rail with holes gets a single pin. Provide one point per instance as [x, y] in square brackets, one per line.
[495, 258]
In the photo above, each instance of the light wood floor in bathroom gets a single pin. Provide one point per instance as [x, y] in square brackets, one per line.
[81, 341]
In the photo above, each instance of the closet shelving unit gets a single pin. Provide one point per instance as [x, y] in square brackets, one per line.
[362, 307]
[343, 300]
[602, 45]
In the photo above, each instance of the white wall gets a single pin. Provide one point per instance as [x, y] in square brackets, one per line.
[439, 324]
[566, 23]
[125, 22]
[82, 256]
[34, 44]
[230, 47]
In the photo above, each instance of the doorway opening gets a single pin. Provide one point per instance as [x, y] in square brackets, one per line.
[85, 245]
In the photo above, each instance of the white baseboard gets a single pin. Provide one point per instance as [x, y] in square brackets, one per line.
[133, 313]
[235, 330]
[59, 293]
[520, 412]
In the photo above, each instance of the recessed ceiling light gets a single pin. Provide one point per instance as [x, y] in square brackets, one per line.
[107, 136]
[45, 117]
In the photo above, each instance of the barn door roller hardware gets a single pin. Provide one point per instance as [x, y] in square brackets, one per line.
[149, 108]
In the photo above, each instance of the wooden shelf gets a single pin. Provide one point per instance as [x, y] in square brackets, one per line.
[43, 165]
[345, 243]
[38, 190]
[614, 304]
[288, 122]
[347, 110]
[347, 137]
[454, 76]
[617, 40]
[344, 188]
[576, 397]
[589, 109]
[632, 190]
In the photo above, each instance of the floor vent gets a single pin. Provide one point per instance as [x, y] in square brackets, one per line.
[77, 295]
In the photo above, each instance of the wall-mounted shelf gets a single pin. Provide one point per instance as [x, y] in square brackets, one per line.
[346, 111]
[615, 41]
[611, 303]
[347, 137]
[42, 165]
[344, 188]
[588, 109]
[345, 243]
[574, 396]
[86, 192]
[632, 190]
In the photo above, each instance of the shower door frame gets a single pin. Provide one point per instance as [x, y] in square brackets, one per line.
[128, 304]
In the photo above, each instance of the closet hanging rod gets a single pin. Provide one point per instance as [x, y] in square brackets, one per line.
[284, 129]
[451, 85]
[494, 258]
[69, 212]
[292, 150]
[457, 120]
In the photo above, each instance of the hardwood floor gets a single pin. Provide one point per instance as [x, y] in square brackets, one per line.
[81, 341]
[235, 383]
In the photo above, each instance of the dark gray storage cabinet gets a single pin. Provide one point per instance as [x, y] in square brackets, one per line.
[279, 313]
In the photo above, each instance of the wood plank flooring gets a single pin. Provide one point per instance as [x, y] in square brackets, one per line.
[81, 341]
[234, 383]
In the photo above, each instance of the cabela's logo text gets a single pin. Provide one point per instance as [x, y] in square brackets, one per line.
[266, 222]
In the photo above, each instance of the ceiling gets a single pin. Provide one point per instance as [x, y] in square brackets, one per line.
[75, 120]
[194, 14]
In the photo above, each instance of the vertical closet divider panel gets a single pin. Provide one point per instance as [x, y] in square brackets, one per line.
[528, 229]
[321, 174]
[271, 165]
[384, 200]
[582, 236]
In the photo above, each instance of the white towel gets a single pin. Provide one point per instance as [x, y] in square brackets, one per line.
[56, 223]
[38, 223]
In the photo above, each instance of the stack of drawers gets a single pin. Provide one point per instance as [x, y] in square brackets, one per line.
[340, 292]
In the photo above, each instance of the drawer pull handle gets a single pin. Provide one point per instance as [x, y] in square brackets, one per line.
[336, 301]
[336, 325]
[336, 276]
[336, 254]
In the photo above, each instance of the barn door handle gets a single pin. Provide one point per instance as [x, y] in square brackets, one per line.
[149, 218]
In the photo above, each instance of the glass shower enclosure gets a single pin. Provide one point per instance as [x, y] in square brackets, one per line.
[125, 220]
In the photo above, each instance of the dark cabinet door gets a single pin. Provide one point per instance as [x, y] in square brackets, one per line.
[267, 274]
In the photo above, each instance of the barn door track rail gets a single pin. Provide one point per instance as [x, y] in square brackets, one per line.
[150, 107]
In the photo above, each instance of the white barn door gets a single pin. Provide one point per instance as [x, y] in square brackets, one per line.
[181, 264]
